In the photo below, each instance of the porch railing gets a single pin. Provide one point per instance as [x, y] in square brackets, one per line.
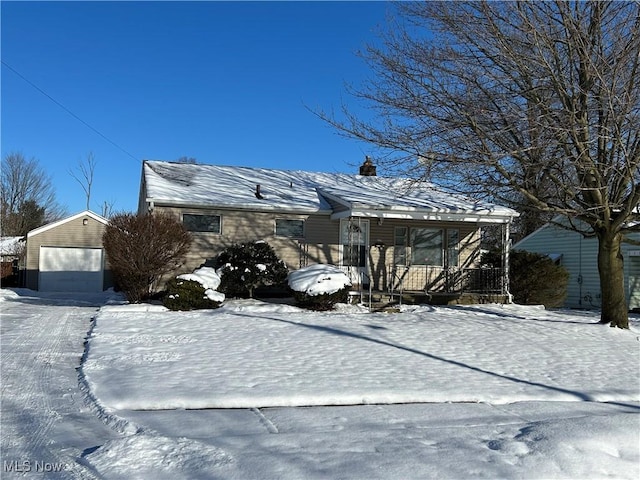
[430, 279]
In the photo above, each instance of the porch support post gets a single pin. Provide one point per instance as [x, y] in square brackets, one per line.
[506, 247]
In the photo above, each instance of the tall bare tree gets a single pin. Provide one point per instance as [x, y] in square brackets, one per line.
[534, 103]
[84, 176]
[27, 196]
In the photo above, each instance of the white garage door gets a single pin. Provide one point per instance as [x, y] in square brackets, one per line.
[70, 269]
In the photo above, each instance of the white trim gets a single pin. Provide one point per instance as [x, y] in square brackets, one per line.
[49, 226]
[479, 218]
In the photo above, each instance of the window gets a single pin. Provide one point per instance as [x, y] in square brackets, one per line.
[426, 246]
[453, 247]
[400, 246]
[201, 223]
[289, 228]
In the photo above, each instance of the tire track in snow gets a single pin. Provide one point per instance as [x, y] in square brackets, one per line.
[39, 357]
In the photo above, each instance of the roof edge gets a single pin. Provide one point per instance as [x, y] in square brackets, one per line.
[418, 214]
[48, 226]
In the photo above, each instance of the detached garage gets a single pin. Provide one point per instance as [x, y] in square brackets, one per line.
[68, 255]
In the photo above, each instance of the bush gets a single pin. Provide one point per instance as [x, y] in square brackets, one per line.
[187, 295]
[245, 267]
[143, 248]
[319, 287]
[534, 279]
[323, 301]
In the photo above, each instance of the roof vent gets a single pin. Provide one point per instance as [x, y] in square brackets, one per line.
[368, 169]
[258, 194]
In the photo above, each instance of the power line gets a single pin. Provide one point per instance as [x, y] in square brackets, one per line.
[67, 110]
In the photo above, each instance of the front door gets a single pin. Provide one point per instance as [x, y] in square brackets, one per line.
[354, 241]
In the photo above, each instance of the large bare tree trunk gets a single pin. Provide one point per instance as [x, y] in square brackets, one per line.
[611, 268]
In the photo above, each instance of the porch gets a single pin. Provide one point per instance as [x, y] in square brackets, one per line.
[429, 285]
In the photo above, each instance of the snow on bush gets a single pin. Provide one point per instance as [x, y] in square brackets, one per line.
[245, 267]
[193, 291]
[318, 279]
[319, 287]
[209, 279]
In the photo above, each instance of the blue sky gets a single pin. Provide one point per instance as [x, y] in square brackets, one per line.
[227, 83]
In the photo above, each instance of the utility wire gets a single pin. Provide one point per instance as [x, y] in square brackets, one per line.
[66, 109]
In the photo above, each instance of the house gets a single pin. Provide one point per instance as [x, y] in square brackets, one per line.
[11, 258]
[579, 255]
[387, 233]
[68, 255]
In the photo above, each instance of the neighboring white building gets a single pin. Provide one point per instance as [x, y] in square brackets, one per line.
[579, 255]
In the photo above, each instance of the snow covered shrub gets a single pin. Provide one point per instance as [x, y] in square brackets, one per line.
[319, 287]
[193, 291]
[187, 295]
[245, 267]
[534, 279]
[143, 248]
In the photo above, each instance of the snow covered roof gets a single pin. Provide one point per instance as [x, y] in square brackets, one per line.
[336, 194]
[10, 245]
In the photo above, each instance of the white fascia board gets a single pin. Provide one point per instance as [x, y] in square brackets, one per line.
[466, 217]
[86, 213]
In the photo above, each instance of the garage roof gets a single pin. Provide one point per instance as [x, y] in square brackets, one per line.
[49, 226]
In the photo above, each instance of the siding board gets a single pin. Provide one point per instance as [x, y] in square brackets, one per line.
[580, 258]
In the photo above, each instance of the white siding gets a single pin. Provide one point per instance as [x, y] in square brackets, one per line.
[580, 258]
[632, 279]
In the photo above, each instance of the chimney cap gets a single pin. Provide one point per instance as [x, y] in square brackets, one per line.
[368, 169]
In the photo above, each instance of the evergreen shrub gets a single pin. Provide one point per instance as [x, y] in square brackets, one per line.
[534, 279]
[245, 267]
[323, 301]
[186, 295]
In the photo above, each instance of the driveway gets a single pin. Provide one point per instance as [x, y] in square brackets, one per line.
[45, 424]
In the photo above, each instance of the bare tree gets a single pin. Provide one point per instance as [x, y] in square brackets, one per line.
[27, 196]
[85, 176]
[533, 103]
[107, 208]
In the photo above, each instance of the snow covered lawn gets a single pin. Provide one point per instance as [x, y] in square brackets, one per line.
[538, 377]
[250, 354]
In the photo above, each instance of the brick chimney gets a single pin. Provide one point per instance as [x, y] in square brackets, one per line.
[368, 169]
